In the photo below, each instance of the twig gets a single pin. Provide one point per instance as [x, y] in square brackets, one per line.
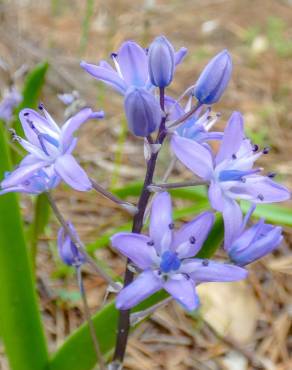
[80, 245]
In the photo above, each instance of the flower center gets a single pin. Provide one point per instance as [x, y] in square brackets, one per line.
[169, 262]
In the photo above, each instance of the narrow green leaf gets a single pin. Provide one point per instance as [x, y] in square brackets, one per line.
[20, 323]
[72, 356]
[214, 239]
[103, 241]
[271, 212]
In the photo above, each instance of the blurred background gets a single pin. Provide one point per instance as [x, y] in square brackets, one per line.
[249, 319]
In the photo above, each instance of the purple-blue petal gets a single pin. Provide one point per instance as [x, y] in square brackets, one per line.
[232, 217]
[193, 155]
[232, 139]
[160, 228]
[132, 61]
[146, 284]
[183, 291]
[202, 271]
[72, 125]
[110, 77]
[188, 240]
[70, 171]
[138, 248]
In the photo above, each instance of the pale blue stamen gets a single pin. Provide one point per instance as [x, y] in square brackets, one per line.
[169, 262]
[235, 175]
[50, 140]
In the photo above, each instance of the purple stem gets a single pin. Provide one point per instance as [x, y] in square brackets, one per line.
[124, 317]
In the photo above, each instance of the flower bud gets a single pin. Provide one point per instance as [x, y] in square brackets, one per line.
[161, 62]
[255, 243]
[142, 111]
[68, 250]
[214, 79]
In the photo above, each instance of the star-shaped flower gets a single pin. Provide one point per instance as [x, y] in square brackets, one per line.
[165, 258]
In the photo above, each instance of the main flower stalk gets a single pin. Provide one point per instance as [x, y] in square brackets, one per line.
[124, 317]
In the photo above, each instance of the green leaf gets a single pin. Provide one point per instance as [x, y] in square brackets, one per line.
[103, 241]
[214, 239]
[72, 354]
[20, 323]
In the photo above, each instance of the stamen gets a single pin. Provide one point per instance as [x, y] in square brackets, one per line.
[255, 148]
[26, 114]
[266, 150]
[192, 240]
[205, 262]
[271, 174]
[39, 135]
[171, 226]
[151, 243]
[234, 156]
[261, 197]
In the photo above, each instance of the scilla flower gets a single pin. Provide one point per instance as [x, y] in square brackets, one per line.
[131, 68]
[161, 62]
[165, 258]
[41, 181]
[142, 111]
[10, 100]
[68, 251]
[230, 173]
[198, 126]
[50, 146]
[255, 242]
[214, 79]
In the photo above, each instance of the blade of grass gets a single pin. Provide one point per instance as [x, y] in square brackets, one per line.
[86, 24]
[271, 212]
[104, 240]
[20, 323]
[72, 356]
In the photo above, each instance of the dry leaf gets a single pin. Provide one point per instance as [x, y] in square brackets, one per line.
[230, 308]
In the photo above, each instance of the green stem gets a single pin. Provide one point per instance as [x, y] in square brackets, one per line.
[20, 323]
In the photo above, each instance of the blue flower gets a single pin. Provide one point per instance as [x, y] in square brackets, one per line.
[68, 250]
[214, 79]
[50, 148]
[38, 182]
[161, 62]
[198, 126]
[131, 68]
[142, 111]
[255, 242]
[9, 102]
[165, 258]
[230, 173]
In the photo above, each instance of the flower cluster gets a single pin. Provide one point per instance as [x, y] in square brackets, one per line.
[167, 258]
